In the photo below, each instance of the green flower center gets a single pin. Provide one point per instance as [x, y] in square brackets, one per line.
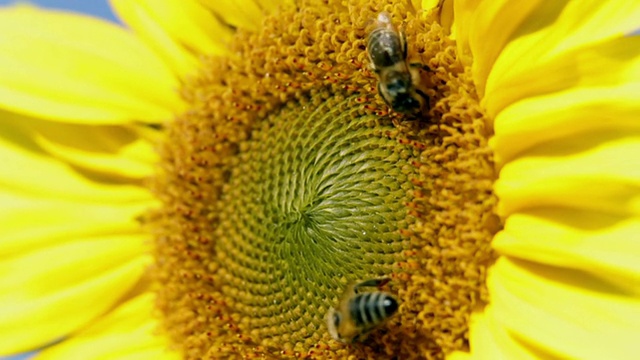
[314, 201]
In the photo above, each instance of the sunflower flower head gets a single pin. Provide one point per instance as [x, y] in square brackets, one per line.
[505, 215]
[289, 178]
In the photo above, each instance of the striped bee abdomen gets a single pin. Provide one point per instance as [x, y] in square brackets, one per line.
[385, 48]
[360, 312]
[372, 308]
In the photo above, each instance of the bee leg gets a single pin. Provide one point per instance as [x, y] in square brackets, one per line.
[420, 66]
[425, 97]
[419, 82]
[416, 74]
[383, 97]
[403, 43]
[361, 337]
[372, 283]
[373, 68]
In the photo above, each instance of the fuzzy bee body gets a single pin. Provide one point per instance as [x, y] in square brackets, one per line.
[359, 313]
[397, 80]
[386, 46]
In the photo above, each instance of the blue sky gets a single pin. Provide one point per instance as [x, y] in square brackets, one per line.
[95, 7]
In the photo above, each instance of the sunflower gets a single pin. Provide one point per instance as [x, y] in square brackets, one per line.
[218, 172]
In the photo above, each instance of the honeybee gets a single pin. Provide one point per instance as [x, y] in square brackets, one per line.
[398, 81]
[359, 313]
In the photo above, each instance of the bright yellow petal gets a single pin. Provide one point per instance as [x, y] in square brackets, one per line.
[598, 171]
[28, 169]
[591, 88]
[484, 342]
[49, 292]
[139, 19]
[550, 118]
[81, 146]
[53, 67]
[270, 6]
[29, 224]
[487, 37]
[459, 355]
[128, 332]
[246, 14]
[114, 151]
[605, 246]
[566, 313]
[463, 11]
[490, 340]
[179, 30]
[446, 16]
[548, 58]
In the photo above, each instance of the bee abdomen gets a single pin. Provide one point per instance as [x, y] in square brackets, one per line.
[385, 48]
[371, 309]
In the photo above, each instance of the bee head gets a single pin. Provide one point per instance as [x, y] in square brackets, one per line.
[397, 90]
[390, 305]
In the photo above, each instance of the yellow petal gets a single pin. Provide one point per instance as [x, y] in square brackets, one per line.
[28, 169]
[584, 47]
[491, 26]
[446, 15]
[133, 160]
[110, 150]
[489, 340]
[596, 171]
[140, 19]
[542, 119]
[270, 6]
[484, 339]
[72, 68]
[49, 292]
[187, 22]
[459, 355]
[567, 313]
[37, 223]
[247, 14]
[585, 89]
[463, 11]
[128, 332]
[605, 246]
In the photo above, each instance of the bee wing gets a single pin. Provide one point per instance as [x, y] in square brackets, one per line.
[378, 283]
